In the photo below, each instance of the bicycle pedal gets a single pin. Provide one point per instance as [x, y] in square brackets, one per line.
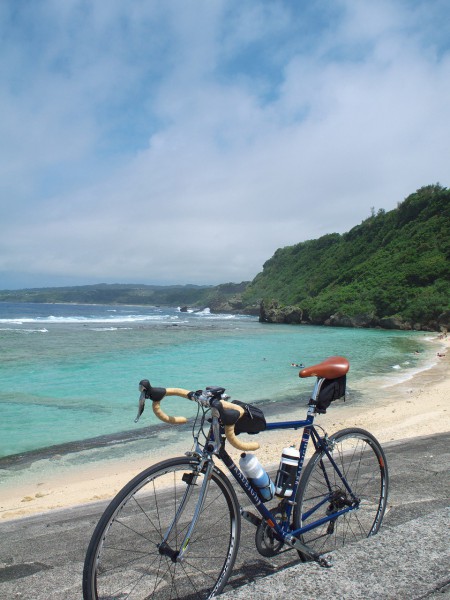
[325, 561]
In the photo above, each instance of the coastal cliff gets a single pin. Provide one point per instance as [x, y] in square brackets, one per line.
[391, 271]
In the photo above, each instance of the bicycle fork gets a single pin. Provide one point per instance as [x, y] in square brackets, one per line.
[190, 479]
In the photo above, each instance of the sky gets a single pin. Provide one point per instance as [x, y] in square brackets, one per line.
[184, 141]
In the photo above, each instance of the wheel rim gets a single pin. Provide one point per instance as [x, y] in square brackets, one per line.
[362, 463]
[128, 561]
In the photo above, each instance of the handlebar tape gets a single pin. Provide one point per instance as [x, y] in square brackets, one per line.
[230, 413]
[157, 408]
[239, 444]
[166, 418]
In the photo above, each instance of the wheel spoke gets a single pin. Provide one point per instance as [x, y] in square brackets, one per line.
[357, 455]
[125, 559]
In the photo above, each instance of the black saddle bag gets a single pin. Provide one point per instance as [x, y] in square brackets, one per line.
[253, 421]
[331, 389]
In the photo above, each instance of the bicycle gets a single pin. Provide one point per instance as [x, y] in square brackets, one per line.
[174, 530]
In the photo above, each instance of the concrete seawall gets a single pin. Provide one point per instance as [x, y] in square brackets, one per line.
[41, 557]
[407, 562]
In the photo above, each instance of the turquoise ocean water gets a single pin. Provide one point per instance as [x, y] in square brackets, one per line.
[69, 373]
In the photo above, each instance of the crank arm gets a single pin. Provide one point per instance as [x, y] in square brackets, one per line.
[250, 517]
[298, 545]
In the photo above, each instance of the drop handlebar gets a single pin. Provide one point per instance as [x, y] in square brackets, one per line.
[211, 397]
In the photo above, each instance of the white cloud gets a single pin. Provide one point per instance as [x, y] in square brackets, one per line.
[178, 145]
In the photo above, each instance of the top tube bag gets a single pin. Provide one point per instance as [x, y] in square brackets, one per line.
[252, 421]
[330, 390]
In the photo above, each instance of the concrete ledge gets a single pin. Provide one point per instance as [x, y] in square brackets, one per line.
[407, 562]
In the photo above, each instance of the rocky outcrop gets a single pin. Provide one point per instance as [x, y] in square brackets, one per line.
[394, 323]
[360, 321]
[444, 321]
[274, 312]
[232, 304]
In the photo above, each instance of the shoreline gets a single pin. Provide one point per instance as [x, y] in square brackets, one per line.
[411, 408]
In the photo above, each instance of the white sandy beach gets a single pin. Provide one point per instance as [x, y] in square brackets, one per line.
[419, 406]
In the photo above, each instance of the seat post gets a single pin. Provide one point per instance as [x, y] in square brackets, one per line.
[317, 386]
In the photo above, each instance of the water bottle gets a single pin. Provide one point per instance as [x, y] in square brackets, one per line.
[255, 473]
[287, 471]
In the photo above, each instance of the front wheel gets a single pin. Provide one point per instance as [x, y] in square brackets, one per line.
[124, 558]
[363, 488]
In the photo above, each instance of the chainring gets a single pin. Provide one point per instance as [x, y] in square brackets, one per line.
[266, 542]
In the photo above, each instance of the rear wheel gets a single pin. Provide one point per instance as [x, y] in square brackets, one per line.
[125, 557]
[322, 492]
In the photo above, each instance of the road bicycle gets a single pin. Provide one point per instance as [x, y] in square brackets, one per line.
[173, 531]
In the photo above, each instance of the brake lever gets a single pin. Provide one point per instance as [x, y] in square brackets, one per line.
[141, 406]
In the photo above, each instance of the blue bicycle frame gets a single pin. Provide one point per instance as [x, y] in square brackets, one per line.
[283, 531]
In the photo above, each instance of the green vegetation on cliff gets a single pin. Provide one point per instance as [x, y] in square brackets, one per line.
[395, 263]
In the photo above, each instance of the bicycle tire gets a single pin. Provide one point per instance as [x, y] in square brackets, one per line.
[123, 560]
[362, 461]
